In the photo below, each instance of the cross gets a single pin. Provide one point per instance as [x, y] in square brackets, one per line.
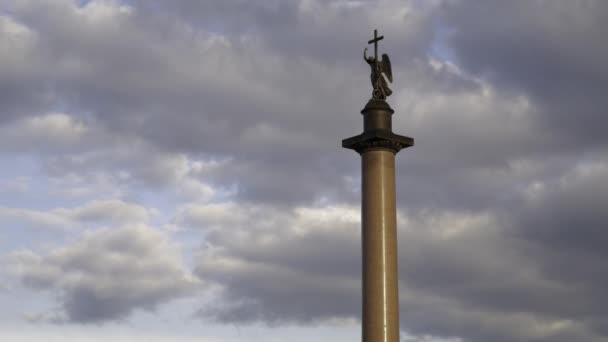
[375, 41]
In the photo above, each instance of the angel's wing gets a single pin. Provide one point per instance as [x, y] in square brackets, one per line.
[386, 67]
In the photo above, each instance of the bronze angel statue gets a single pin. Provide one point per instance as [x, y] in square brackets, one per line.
[381, 90]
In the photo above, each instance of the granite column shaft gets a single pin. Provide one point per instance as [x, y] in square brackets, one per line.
[379, 246]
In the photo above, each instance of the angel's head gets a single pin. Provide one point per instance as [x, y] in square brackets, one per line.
[370, 59]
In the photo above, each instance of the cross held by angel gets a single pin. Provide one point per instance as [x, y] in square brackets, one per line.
[380, 87]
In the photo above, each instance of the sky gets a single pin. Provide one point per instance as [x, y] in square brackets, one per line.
[173, 170]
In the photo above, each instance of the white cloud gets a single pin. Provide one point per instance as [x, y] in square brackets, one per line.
[55, 126]
[36, 218]
[105, 212]
[52, 132]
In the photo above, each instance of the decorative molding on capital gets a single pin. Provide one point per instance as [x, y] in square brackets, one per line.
[378, 139]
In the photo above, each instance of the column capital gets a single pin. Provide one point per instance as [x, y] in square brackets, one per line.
[378, 139]
[377, 130]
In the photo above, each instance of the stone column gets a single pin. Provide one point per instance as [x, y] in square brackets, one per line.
[379, 244]
[378, 146]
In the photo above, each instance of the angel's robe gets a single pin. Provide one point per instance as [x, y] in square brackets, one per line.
[381, 89]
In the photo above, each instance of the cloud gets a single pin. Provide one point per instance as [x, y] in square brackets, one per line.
[549, 50]
[462, 274]
[108, 274]
[563, 223]
[50, 131]
[128, 68]
[114, 212]
[233, 113]
[268, 257]
[451, 264]
[324, 30]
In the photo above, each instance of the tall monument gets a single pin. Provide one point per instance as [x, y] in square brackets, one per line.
[378, 146]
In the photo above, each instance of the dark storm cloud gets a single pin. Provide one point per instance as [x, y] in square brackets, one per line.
[550, 50]
[564, 225]
[569, 212]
